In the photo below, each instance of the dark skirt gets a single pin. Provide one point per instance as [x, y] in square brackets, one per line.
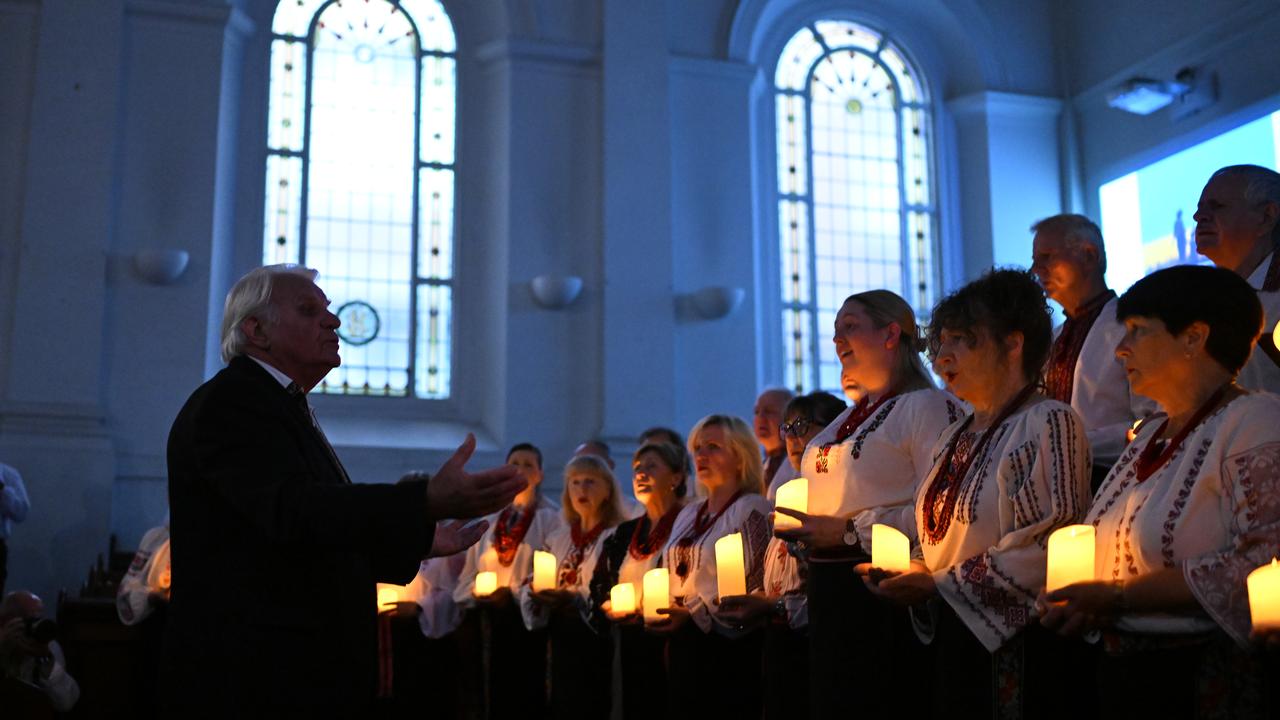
[581, 667]
[862, 651]
[786, 672]
[1036, 674]
[643, 661]
[1206, 676]
[712, 676]
[505, 665]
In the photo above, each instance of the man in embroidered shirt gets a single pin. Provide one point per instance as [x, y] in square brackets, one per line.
[275, 553]
[1238, 228]
[1069, 260]
[766, 422]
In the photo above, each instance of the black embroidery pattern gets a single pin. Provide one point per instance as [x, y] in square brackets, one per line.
[870, 427]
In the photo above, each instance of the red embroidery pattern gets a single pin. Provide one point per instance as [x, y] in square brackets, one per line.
[683, 551]
[510, 530]
[568, 576]
[1059, 374]
[657, 537]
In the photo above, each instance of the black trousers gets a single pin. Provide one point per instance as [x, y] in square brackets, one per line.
[644, 673]
[581, 668]
[786, 672]
[712, 676]
[863, 654]
[504, 665]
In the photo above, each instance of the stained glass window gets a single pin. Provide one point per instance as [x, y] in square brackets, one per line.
[360, 181]
[855, 192]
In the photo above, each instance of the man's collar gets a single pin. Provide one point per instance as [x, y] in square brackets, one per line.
[284, 380]
[1259, 274]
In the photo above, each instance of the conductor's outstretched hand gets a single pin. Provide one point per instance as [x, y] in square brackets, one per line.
[455, 493]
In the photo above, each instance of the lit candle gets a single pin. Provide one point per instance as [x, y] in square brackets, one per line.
[657, 593]
[890, 549]
[544, 571]
[1264, 596]
[731, 576]
[486, 583]
[1071, 554]
[792, 495]
[623, 598]
[1275, 335]
[388, 594]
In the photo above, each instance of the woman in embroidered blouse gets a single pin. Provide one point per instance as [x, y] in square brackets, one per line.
[1191, 507]
[660, 483]
[581, 657]
[713, 665]
[863, 469]
[517, 656]
[782, 608]
[1003, 478]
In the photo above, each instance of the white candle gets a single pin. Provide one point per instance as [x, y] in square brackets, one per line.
[544, 571]
[388, 594]
[657, 593]
[1071, 556]
[793, 495]
[1264, 596]
[486, 583]
[890, 549]
[731, 576]
[622, 598]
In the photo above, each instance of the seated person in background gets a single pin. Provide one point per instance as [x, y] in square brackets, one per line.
[28, 652]
[146, 584]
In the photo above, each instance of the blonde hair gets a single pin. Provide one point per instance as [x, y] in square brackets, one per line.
[743, 443]
[885, 307]
[611, 513]
[251, 297]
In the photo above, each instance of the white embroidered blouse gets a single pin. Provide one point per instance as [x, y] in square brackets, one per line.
[1213, 509]
[1031, 478]
[483, 557]
[693, 569]
[573, 573]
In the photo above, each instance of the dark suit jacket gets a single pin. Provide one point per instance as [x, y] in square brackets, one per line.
[275, 556]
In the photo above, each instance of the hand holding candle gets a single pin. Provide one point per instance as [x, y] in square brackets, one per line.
[657, 593]
[890, 549]
[544, 571]
[731, 576]
[1071, 557]
[793, 495]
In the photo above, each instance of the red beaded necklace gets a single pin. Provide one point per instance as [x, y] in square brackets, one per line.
[507, 537]
[702, 523]
[1157, 453]
[861, 412]
[658, 534]
[951, 474]
[573, 561]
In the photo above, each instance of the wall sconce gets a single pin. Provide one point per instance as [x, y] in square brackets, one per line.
[160, 267]
[554, 292]
[715, 302]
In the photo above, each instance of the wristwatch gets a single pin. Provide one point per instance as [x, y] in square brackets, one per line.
[850, 536]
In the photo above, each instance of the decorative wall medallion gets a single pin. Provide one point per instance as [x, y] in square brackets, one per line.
[360, 323]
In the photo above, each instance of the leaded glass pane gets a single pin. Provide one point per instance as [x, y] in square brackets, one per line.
[867, 148]
[793, 173]
[438, 78]
[797, 331]
[797, 57]
[293, 17]
[433, 23]
[285, 125]
[435, 314]
[842, 34]
[435, 226]
[283, 209]
[793, 217]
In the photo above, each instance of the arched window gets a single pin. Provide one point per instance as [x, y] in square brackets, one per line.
[855, 192]
[360, 181]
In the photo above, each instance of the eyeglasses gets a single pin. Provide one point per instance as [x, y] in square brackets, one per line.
[795, 428]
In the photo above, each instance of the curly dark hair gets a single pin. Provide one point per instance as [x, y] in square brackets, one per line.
[1217, 297]
[1003, 301]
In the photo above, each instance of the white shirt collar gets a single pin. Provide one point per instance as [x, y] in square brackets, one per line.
[284, 380]
[1259, 274]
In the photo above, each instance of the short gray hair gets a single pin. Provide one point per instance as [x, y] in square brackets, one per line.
[1076, 230]
[1261, 186]
[251, 297]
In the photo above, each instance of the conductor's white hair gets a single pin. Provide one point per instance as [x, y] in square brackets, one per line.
[251, 297]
